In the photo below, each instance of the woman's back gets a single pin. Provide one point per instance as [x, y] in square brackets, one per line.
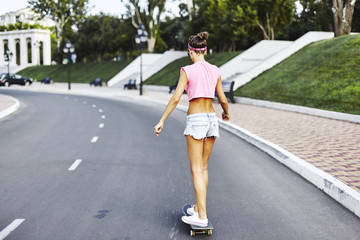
[202, 78]
[200, 105]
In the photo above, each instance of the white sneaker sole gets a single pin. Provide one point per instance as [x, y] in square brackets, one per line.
[193, 223]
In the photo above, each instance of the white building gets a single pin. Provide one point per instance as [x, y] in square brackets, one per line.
[25, 15]
[29, 47]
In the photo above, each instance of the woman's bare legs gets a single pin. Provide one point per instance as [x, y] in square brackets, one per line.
[199, 153]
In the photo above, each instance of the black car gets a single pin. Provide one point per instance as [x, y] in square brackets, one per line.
[5, 80]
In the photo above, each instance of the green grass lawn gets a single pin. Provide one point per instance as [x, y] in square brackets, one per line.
[80, 72]
[169, 75]
[323, 75]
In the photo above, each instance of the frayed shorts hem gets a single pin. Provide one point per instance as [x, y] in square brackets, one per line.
[201, 138]
[201, 126]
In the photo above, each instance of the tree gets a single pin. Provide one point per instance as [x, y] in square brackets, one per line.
[197, 22]
[218, 17]
[62, 12]
[343, 14]
[228, 20]
[273, 16]
[172, 32]
[237, 22]
[149, 17]
[102, 37]
[315, 16]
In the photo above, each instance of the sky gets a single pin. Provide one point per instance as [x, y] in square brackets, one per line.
[113, 7]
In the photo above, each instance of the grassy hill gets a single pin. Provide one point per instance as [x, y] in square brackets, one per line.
[170, 74]
[80, 72]
[323, 75]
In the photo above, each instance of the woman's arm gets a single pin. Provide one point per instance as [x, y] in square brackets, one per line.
[223, 100]
[173, 102]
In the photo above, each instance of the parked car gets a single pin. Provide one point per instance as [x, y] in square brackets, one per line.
[5, 80]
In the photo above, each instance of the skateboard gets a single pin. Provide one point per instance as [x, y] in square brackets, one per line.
[195, 229]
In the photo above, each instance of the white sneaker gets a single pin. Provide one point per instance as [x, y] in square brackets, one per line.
[194, 220]
[191, 210]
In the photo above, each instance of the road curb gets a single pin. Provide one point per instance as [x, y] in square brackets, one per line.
[11, 109]
[336, 189]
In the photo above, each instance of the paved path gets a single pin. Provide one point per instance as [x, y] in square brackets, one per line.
[7, 105]
[331, 145]
[5, 102]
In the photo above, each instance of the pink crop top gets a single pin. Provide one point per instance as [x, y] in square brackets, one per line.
[202, 79]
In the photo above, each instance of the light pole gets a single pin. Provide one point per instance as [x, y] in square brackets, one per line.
[140, 38]
[69, 50]
[7, 57]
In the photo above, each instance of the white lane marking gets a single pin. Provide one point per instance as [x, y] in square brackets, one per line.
[101, 125]
[75, 165]
[4, 233]
[94, 139]
[103, 116]
[100, 110]
[94, 106]
[84, 102]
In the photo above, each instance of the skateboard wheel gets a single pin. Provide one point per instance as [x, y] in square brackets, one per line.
[210, 232]
[192, 233]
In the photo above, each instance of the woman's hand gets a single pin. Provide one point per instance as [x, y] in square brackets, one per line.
[158, 128]
[225, 116]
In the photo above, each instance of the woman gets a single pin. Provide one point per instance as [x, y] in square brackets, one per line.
[200, 80]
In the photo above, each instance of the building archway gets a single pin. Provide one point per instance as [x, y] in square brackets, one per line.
[6, 45]
[17, 47]
[29, 50]
[41, 53]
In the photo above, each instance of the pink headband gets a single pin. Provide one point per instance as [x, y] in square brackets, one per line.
[196, 49]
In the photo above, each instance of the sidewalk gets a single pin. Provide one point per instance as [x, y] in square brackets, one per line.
[8, 105]
[332, 146]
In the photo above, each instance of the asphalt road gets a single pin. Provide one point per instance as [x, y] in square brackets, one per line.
[126, 183]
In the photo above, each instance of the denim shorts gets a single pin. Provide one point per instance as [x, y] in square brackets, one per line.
[202, 125]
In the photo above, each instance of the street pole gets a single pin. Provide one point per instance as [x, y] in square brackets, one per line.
[140, 38]
[69, 50]
[141, 82]
[69, 83]
[7, 58]
[9, 69]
